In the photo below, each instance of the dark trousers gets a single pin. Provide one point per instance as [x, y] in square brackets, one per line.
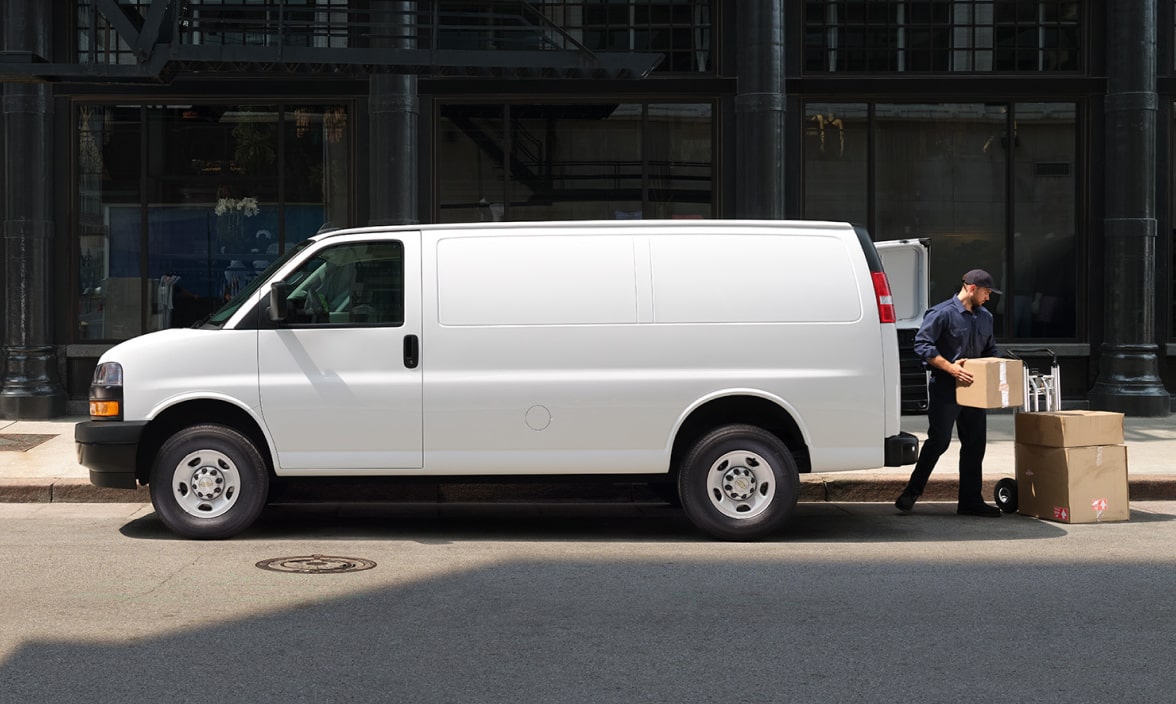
[972, 425]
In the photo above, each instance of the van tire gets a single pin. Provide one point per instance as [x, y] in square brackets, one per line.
[208, 482]
[738, 482]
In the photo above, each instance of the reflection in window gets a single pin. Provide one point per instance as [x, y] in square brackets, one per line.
[575, 161]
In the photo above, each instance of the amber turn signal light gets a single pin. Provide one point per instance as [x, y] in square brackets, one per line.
[104, 409]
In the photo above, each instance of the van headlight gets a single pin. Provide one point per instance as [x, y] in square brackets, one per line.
[106, 392]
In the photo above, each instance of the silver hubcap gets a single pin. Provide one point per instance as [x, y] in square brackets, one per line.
[740, 484]
[206, 483]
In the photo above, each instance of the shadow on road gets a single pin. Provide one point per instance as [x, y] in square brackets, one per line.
[669, 629]
[454, 523]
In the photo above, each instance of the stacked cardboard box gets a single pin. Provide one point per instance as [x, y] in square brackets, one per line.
[996, 383]
[1072, 466]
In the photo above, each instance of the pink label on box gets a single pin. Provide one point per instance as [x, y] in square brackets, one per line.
[1061, 513]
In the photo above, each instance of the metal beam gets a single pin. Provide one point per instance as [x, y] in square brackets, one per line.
[167, 60]
[150, 34]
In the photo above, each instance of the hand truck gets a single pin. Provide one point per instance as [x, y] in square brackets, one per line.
[1043, 392]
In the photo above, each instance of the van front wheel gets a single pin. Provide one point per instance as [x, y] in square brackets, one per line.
[208, 482]
[738, 482]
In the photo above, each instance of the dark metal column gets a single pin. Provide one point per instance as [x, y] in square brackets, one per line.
[394, 110]
[1128, 379]
[32, 389]
[760, 110]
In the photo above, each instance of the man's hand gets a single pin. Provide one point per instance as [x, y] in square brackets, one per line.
[962, 376]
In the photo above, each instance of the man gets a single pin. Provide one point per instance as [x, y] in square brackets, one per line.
[953, 332]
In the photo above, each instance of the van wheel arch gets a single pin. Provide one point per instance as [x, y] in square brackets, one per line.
[190, 413]
[741, 410]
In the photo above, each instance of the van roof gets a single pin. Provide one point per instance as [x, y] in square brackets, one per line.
[598, 224]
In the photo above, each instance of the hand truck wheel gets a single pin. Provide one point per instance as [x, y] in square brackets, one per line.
[1005, 495]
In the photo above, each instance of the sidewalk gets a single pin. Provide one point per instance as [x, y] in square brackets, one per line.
[38, 463]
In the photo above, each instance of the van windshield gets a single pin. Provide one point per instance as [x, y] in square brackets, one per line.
[219, 318]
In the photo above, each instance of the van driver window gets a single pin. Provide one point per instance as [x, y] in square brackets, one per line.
[349, 285]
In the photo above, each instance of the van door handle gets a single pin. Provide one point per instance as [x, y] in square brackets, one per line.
[412, 351]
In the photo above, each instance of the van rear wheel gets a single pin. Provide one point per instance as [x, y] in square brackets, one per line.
[738, 482]
[208, 482]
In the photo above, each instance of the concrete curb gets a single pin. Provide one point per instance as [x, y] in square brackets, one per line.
[814, 488]
[65, 490]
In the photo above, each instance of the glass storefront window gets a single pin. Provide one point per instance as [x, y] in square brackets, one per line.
[940, 172]
[678, 148]
[575, 161]
[207, 196]
[212, 209]
[318, 168]
[836, 162]
[1172, 240]
[1045, 248]
[109, 295]
[470, 160]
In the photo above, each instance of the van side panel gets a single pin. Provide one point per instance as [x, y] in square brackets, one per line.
[813, 286]
[580, 353]
[753, 279]
[505, 280]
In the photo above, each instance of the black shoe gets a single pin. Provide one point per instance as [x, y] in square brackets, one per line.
[906, 502]
[981, 509]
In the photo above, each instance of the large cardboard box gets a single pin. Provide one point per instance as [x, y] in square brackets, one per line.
[996, 383]
[1073, 484]
[1070, 428]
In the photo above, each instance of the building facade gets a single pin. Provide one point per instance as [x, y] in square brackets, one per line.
[157, 154]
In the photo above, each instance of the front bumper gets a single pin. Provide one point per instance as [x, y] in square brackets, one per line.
[901, 449]
[108, 449]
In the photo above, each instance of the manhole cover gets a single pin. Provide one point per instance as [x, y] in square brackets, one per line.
[19, 442]
[316, 564]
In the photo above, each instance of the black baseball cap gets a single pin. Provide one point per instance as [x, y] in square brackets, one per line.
[982, 279]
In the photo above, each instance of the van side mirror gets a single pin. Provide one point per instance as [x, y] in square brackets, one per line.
[279, 301]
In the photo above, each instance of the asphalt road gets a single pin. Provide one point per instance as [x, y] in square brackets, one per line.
[853, 603]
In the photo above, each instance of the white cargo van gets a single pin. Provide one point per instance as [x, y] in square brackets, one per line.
[727, 355]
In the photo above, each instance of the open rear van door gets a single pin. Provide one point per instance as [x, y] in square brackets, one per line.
[907, 265]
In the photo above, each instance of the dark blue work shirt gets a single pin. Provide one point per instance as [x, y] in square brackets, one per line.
[953, 332]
